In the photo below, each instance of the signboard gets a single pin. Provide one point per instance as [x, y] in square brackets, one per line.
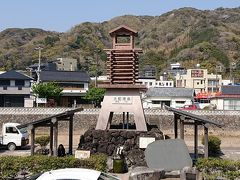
[122, 100]
[41, 100]
[197, 73]
[144, 141]
[81, 154]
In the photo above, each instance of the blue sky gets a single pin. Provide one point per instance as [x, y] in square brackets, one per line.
[61, 15]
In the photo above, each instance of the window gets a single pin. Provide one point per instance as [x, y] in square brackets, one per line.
[167, 84]
[150, 83]
[19, 83]
[197, 83]
[231, 104]
[11, 130]
[4, 87]
[19, 87]
[5, 83]
[180, 102]
[156, 102]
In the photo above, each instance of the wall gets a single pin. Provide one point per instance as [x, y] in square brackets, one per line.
[88, 118]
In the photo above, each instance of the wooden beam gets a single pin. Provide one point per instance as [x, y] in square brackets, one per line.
[51, 139]
[205, 141]
[181, 129]
[32, 140]
[196, 141]
[175, 126]
[55, 138]
[70, 135]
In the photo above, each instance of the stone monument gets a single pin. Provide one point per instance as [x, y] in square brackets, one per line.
[122, 89]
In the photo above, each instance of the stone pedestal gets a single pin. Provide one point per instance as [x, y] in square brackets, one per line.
[122, 100]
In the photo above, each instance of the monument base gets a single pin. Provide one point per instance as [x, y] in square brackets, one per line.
[122, 101]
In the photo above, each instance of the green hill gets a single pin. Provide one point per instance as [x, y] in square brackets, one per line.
[185, 35]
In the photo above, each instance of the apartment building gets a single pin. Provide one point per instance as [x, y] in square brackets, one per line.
[200, 81]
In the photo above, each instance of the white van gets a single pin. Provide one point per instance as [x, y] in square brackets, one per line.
[13, 137]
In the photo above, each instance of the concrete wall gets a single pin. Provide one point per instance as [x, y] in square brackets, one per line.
[88, 118]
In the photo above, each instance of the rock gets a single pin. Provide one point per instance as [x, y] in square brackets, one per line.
[102, 148]
[110, 149]
[146, 173]
[115, 133]
[97, 134]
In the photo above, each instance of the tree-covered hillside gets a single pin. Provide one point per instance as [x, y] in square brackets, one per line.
[187, 35]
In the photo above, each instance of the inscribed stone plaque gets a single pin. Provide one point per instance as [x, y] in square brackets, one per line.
[80, 154]
[122, 100]
[170, 155]
[144, 141]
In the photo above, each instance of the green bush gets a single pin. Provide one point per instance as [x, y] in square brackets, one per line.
[213, 145]
[42, 140]
[216, 167]
[11, 166]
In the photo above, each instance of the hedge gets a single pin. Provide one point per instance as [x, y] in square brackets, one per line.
[216, 167]
[213, 145]
[12, 166]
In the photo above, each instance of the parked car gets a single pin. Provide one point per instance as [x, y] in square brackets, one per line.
[76, 174]
[189, 107]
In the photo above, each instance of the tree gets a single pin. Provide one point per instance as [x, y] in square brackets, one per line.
[95, 95]
[49, 90]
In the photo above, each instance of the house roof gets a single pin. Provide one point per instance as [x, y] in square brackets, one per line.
[230, 90]
[14, 75]
[64, 76]
[121, 29]
[170, 92]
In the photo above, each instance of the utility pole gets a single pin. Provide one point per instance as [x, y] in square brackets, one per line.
[39, 64]
[97, 63]
[39, 67]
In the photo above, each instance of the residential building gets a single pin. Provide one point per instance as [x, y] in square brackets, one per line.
[174, 97]
[175, 69]
[148, 72]
[228, 99]
[200, 81]
[14, 89]
[66, 64]
[74, 83]
[152, 82]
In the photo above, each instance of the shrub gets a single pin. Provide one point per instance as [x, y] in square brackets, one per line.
[213, 145]
[11, 166]
[216, 167]
[42, 140]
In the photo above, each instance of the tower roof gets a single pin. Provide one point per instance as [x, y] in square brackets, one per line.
[123, 30]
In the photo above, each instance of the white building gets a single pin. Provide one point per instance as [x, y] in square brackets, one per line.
[174, 97]
[150, 82]
[228, 99]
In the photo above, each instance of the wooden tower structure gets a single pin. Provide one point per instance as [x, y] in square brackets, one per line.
[122, 89]
[122, 64]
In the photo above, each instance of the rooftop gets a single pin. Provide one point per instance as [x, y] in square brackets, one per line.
[14, 75]
[170, 92]
[64, 76]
